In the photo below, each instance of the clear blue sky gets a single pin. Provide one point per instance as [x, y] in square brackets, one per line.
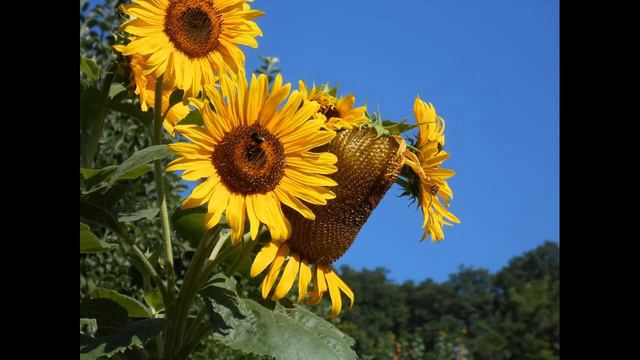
[491, 70]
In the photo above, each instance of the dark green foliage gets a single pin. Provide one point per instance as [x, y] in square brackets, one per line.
[513, 314]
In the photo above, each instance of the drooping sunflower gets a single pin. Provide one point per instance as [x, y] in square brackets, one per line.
[145, 87]
[191, 42]
[367, 166]
[426, 164]
[338, 113]
[255, 156]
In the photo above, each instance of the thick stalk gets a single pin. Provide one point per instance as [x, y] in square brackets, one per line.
[162, 199]
[188, 291]
[195, 325]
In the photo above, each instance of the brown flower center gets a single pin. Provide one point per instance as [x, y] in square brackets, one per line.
[367, 167]
[193, 26]
[249, 160]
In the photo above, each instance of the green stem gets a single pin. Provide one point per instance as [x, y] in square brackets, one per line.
[139, 255]
[162, 199]
[219, 243]
[202, 330]
[214, 259]
[196, 324]
[188, 291]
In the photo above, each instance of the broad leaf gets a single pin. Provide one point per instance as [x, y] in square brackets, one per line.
[154, 300]
[131, 110]
[148, 214]
[135, 334]
[93, 177]
[110, 316]
[141, 157]
[284, 332]
[90, 244]
[88, 327]
[91, 101]
[99, 215]
[135, 173]
[106, 197]
[89, 68]
[135, 309]
[176, 97]
[189, 224]
[96, 179]
[115, 89]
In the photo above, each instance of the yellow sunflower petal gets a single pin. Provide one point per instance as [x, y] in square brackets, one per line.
[309, 179]
[254, 222]
[265, 256]
[294, 203]
[288, 276]
[235, 217]
[319, 287]
[274, 270]
[345, 289]
[217, 204]
[304, 278]
[334, 292]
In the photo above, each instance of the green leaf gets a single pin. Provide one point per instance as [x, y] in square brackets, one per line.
[251, 327]
[115, 89]
[141, 157]
[333, 91]
[106, 197]
[99, 215]
[131, 110]
[135, 309]
[148, 214]
[89, 68]
[110, 316]
[176, 97]
[189, 224]
[94, 176]
[90, 244]
[193, 118]
[135, 334]
[91, 102]
[154, 300]
[96, 179]
[135, 172]
[88, 326]
[397, 128]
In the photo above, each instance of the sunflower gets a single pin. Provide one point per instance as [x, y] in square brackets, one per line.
[145, 87]
[338, 113]
[255, 157]
[367, 166]
[192, 42]
[432, 179]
